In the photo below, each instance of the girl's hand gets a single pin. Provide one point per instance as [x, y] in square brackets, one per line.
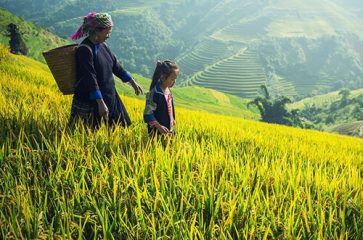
[136, 87]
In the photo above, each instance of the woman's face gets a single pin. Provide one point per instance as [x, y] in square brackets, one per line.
[170, 81]
[103, 35]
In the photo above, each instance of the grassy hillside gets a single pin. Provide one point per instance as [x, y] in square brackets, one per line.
[334, 113]
[36, 38]
[325, 99]
[244, 80]
[352, 129]
[288, 37]
[190, 97]
[299, 48]
[200, 99]
[221, 178]
[302, 48]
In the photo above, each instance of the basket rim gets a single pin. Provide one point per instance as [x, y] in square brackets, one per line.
[61, 47]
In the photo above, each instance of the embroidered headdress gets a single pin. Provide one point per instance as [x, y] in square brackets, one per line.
[91, 22]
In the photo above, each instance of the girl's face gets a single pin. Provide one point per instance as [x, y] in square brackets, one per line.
[170, 81]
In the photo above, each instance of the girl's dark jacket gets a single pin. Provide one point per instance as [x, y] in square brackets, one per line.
[157, 108]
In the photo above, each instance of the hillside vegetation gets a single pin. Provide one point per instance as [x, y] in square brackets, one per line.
[200, 99]
[298, 48]
[195, 98]
[221, 178]
[340, 112]
[36, 38]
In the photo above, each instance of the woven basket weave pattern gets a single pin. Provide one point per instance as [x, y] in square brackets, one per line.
[62, 64]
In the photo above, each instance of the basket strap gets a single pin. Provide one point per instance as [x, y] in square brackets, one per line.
[85, 45]
[89, 48]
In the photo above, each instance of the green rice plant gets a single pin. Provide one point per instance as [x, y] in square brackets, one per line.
[220, 178]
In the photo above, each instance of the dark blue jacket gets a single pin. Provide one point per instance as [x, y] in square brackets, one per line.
[157, 108]
[95, 81]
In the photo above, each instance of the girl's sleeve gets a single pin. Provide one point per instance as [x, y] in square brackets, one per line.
[150, 107]
[172, 102]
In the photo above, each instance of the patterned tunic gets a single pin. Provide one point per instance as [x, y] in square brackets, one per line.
[159, 109]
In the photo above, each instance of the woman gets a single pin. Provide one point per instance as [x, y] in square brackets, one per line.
[95, 97]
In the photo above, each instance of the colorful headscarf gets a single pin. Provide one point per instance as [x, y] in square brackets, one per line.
[91, 22]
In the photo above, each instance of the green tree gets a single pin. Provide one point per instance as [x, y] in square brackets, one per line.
[274, 110]
[345, 92]
[17, 45]
[264, 104]
[357, 113]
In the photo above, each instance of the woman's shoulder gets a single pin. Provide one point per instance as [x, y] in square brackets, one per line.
[84, 49]
[105, 47]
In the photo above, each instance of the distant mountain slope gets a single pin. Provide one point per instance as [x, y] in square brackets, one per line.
[350, 129]
[340, 112]
[325, 99]
[307, 46]
[36, 38]
[304, 47]
[194, 98]
[201, 99]
[301, 47]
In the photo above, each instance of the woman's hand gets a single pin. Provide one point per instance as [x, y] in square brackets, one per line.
[102, 109]
[136, 87]
[162, 129]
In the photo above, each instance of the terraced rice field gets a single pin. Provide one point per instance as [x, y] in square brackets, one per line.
[325, 81]
[307, 86]
[285, 87]
[244, 31]
[239, 75]
[204, 53]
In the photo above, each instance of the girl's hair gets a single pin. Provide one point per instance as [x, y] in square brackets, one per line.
[164, 68]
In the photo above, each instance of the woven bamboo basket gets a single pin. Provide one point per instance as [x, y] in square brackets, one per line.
[62, 64]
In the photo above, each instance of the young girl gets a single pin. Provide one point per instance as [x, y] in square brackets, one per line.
[159, 112]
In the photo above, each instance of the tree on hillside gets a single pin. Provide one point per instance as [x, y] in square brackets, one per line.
[344, 93]
[273, 110]
[357, 113]
[17, 45]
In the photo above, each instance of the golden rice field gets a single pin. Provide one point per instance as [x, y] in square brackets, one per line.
[221, 178]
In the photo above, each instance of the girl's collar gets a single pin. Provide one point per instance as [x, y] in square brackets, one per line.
[159, 89]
